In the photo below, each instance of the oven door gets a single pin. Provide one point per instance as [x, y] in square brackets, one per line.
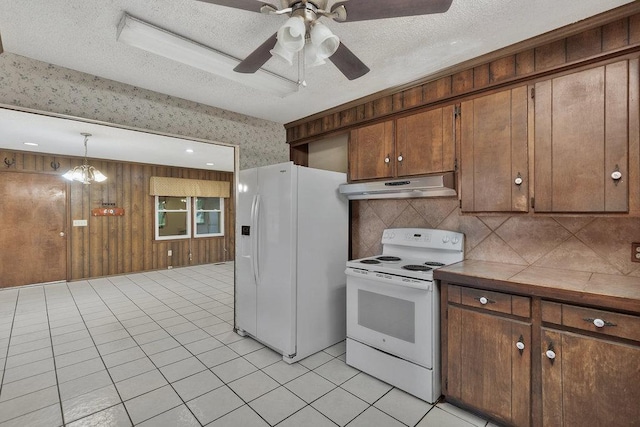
[396, 319]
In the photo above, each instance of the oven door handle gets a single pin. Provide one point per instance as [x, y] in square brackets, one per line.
[389, 279]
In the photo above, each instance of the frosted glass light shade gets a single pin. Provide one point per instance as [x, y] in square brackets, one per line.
[291, 34]
[85, 174]
[324, 40]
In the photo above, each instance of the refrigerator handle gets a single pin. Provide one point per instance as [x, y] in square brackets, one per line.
[256, 235]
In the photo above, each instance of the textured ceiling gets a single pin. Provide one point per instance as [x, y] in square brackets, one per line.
[81, 35]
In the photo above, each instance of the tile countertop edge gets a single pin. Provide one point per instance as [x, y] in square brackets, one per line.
[574, 287]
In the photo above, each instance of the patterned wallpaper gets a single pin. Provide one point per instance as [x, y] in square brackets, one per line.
[28, 83]
[578, 243]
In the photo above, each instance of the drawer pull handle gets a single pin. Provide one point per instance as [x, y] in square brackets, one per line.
[484, 300]
[520, 345]
[599, 323]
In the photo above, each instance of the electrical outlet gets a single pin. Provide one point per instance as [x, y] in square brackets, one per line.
[169, 252]
[635, 252]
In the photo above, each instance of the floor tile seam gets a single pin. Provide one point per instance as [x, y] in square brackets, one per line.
[380, 409]
[35, 410]
[108, 373]
[303, 408]
[430, 409]
[89, 415]
[54, 361]
[6, 356]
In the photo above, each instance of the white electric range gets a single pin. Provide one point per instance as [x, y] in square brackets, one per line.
[393, 309]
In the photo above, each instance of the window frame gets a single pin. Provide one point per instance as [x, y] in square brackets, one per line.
[195, 211]
[158, 211]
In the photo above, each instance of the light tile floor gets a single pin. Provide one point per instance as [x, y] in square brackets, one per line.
[158, 349]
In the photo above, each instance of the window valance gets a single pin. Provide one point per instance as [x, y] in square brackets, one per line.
[180, 187]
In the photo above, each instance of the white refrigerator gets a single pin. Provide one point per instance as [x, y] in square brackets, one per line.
[292, 229]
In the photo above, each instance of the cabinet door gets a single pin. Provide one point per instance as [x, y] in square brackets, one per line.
[589, 382]
[581, 138]
[494, 152]
[425, 142]
[371, 152]
[485, 369]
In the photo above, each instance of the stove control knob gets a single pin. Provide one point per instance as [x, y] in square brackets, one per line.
[455, 240]
[445, 239]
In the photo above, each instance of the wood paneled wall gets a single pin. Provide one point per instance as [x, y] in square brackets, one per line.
[563, 49]
[118, 245]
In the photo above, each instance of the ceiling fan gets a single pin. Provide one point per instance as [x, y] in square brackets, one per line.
[304, 31]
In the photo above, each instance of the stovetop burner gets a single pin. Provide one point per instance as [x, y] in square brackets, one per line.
[434, 264]
[388, 258]
[370, 261]
[416, 267]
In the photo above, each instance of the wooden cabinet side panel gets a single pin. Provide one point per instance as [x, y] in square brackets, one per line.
[552, 380]
[634, 134]
[616, 136]
[578, 131]
[521, 375]
[448, 138]
[542, 157]
[519, 150]
[466, 157]
[453, 382]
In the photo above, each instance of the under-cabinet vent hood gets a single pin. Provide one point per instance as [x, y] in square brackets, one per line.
[426, 186]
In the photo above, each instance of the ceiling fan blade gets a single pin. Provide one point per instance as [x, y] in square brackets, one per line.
[363, 10]
[348, 63]
[251, 5]
[258, 57]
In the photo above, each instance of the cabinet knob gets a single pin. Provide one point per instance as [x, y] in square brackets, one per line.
[616, 175]
[400, 158]
[387, 159]
[551, 354]
[518, 180]
[520, 345]
[483, 300]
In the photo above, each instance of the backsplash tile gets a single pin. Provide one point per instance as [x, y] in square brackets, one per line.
[577, 243]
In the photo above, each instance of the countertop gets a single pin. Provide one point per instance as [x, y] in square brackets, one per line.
[578, 287]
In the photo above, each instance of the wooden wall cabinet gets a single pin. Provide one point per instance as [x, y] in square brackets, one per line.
[488, 354]
[494, 158]
[582, 140]
[371, 152]
[418, 144]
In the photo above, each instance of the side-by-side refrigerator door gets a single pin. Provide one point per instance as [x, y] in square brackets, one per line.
[246, 241]
[276, 257]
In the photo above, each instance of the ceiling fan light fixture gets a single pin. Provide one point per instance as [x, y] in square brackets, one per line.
[85, 173]
[291, 35]
[279, 52]
[324, 40]
[311, 58]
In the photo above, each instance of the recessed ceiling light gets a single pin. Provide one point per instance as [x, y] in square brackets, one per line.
[189, 150]
[209, 164]
[33, 144]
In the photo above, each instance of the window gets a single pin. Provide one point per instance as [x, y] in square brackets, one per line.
[172, 216]
[174, 219]
[208, 218]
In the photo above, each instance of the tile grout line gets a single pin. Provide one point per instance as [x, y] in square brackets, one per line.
[6, 359]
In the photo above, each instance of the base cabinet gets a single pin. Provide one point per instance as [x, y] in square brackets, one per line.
[486, 369]
[527, 361]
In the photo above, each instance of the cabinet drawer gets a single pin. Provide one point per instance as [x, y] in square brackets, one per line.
[493, 301]
[602, 321]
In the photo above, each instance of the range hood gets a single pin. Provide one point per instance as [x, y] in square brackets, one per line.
[426, 186]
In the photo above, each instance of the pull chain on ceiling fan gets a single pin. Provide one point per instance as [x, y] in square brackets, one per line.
[303, 33]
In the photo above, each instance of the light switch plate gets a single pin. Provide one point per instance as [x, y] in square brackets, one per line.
[79, 222]
[635, 252]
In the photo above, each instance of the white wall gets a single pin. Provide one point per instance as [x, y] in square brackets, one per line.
[28, 83]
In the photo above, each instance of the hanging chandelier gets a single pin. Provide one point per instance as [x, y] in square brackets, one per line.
[84, 173]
